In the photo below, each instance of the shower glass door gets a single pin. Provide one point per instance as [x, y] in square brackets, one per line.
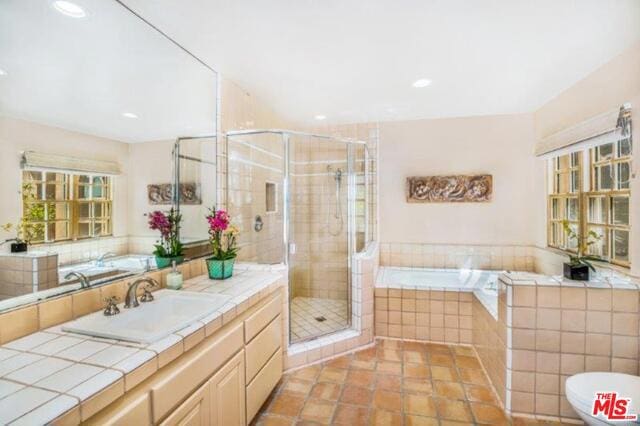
[320, 181]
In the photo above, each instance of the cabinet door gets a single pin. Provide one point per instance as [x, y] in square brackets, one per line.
[195, 411]
[228, 394]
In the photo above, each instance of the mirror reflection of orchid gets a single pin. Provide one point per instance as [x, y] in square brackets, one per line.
[581, 246]
[222, 235]
[169, 248]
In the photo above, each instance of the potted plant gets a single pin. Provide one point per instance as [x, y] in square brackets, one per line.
[579, 264]
[23, 236]
[169, 248]
[222, 236]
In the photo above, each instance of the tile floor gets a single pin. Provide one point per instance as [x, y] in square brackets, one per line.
[305, 310]
[393, 383]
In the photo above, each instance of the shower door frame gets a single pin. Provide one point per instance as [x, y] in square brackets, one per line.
[286, 196]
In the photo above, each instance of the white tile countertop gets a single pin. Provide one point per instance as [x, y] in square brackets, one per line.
[609, 280]
[50, 372]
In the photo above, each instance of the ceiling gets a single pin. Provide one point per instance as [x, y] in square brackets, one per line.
[356, 60]
[82, 74]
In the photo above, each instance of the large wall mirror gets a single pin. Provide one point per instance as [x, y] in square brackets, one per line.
[93, 101]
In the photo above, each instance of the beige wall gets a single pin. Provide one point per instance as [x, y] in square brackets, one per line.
[19, 135]
[498, 145]
[606, 89]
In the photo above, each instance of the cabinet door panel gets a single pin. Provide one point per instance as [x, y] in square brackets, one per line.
[195, 411]
[228, 394]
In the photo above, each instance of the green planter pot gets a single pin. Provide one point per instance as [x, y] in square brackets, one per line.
[220, 269]
[163, 262]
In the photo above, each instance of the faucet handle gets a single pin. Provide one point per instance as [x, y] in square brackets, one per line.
[147, 296]
[112, 306]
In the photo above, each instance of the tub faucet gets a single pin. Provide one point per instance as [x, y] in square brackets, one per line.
[102, 257]
[84, 281]
[131, 300]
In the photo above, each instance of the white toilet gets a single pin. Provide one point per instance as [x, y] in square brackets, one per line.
[582, 388]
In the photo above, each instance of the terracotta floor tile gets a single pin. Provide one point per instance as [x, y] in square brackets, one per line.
[480, 394]
[437, 348]
[326, 390]
[387, 400]
[366, 354]
[410, 420]
[332, 374]
[286, 404]
[388, 382]
[467, 362]
[488, 414]
[389, 367]
[475, 377]
[420, 405]
[445, 374]
[415, 346]
[444, 360]
[307, 373]
[453, 410]
[389, 355]
[417, 386]
[448, 390]
[318, 410]
[358, 364]
[385, 418]
[271, 420]
[361, 378]
[356, 395]
[453, 423]
[464, 350]
[350, 415]
[390, 344]
[415, 357]
[298, 386]
[340, 362]
[416, 371]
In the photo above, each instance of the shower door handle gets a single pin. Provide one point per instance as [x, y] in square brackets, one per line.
[292, 248]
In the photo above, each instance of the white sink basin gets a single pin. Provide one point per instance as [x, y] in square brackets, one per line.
[170, 311]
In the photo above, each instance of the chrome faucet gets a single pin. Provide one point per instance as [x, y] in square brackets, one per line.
[102, 257]
[84, 281]
[131, 299]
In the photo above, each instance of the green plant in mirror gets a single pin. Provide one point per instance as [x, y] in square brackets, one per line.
[35, 213]
[580, 258]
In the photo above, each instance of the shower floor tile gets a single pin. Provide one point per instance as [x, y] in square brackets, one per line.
[314, 316]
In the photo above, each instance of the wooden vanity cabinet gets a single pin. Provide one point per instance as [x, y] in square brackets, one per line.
[222, 381]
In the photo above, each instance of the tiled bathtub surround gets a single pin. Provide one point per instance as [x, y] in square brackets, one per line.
[24, 273]
[469, 256]
[556, 328]
[52, 373]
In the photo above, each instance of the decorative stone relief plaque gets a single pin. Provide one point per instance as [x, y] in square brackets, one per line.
[162, 193]
[449, 189]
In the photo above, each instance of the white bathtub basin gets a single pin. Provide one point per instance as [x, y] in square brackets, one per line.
[170, 311]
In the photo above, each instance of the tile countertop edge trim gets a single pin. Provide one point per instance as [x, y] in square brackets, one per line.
[266, 283]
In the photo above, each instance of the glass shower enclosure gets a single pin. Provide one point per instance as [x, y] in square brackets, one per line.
[301, 199]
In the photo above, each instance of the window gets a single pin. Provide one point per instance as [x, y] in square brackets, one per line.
[61, 206]
[600, 205]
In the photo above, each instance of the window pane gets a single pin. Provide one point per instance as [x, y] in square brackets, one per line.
[621, 245]
[563, 162]
[597, 210]
[84, 210]
[84, 192]
[555, 209]
[575, 159]
[563, 183]
[575, 181]
[572, 209]
[606, 179]
[97, 191]
[623, 175]
[620, 207]
[30, 175]
[599, 246]
[624, 147]
[83, 230]
[84, 179]
[572, 243]
[58, 231]
[604, 152]
[556, 234]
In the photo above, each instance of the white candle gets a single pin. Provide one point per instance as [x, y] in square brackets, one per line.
[174, 280]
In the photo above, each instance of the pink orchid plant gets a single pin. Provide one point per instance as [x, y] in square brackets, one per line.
[222, 235]
[168, 224]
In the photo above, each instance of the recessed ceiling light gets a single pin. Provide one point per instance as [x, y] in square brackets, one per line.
[2, 72]
[69, 9]
[320, 117]
[423, 82]
[129, 115]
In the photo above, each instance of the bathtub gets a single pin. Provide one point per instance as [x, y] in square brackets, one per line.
[483, 284]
